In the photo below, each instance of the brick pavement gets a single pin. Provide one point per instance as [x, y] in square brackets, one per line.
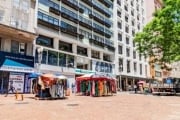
[123, 106]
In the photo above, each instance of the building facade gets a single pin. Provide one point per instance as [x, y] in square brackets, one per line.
[155, 70]
[130, 65]
[76, 36]
[17, 34]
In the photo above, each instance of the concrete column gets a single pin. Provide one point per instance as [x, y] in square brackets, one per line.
[56, 43]
[29, 50]
[74, 47]
[126, 84]
[6, 44]
[101, 55]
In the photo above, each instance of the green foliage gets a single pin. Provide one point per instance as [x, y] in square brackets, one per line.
[160, 38]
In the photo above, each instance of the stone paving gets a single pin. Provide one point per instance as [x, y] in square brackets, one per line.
[123, 106]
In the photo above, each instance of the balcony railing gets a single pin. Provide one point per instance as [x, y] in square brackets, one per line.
[50, 25]
[55, 11]
[88, 2]
[85, 25]
[68, 17]
[96, 42]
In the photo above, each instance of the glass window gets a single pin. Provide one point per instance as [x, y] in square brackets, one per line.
[14, 46]
[127, 40]
[65, 46]
[128, 66]
[135, 67]
[127, 29]
[52, 57]
[127, 52]
[25, 5]
[134, 54]
[62, 59]
[45, 41]
[120, 64]
[95, 54]
[44, 57]
[70, 61]
[119, 25]
[119, 36]
[140, 69]
[120, 49]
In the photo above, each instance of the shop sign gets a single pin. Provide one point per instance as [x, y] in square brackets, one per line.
[17, 81]
[81, 71]
[16, 62]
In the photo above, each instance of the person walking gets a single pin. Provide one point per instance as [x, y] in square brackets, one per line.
[135, 88]
[11, 88]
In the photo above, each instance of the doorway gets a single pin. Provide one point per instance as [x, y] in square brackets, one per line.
[4, 80]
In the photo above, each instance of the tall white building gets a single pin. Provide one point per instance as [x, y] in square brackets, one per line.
[76, 36]
[130, 65]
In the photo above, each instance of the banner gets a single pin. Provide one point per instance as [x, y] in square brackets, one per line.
[16, 80]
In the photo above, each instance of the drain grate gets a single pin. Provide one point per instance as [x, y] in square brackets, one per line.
[22, 103]
[73, 104]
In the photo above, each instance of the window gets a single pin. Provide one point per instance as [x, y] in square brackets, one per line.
[135, 66]
[1, 15]
[82, 51]
[126, 7]
[119, 13]
[132, 3]
[127, 52]
[65, 46]
[85, 33]
[25, 5]
[128, 66]
[106, 57]
[22, 48]
[95, 54]
[133, 33]
[44, 56]
[14, 46]
[157, 74]
[45, 41]
[120, 64]
[127, 40]
[132, 12]
[52, 57]
[70, 61]
[126, 18]
[127, 29]
[119, 2]
[119, 25]
[138, 26]
[140, 69]
[62, 59]
[134, 44]
[119, 36]
[132, 22]
[120, 49]
[134, 54]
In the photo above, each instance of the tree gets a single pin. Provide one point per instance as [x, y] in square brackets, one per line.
[160, 38]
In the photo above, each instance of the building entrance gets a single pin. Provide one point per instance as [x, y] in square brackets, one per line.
[4, 80]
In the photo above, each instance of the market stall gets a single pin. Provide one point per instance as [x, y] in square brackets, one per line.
[51, 86]
[95, 85]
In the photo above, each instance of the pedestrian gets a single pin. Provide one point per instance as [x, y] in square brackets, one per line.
[135, 88]
[11, 88]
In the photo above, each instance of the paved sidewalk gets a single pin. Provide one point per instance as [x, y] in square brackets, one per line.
[123, 106]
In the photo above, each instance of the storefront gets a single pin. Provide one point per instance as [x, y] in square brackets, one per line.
[14, 69]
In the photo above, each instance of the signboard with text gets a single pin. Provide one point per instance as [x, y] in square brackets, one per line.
[17, 81]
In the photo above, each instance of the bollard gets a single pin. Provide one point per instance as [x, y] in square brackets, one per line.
[22, 97]
[16, 95]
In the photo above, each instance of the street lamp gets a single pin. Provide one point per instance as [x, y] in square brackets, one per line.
[39, 51]
[120, 83]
